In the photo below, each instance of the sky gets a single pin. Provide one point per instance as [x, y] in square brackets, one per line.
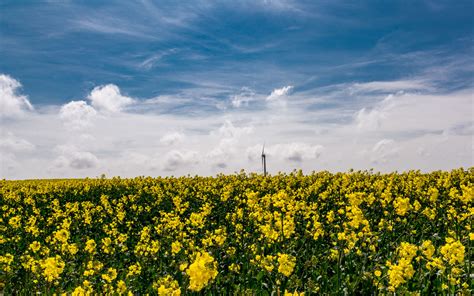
[132, 88]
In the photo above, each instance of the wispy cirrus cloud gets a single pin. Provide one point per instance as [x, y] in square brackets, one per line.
[280, 93]
[110, 26]
[243, 98]
[392, 86]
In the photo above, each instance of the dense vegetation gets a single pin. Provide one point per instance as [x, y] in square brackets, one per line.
[345, 233]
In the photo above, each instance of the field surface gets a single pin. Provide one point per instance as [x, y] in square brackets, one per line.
[243, 234]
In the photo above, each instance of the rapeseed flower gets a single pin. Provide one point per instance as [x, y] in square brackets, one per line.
[286, 264]
[15, 222]
[295, 293]
[121, 287]
[52, 267]
[201, 271]
[176, 247]
[110, 275]
[90, 246]
[35, 246]
[427, 249]
[167, 286]
[453, 251]
[402, 205]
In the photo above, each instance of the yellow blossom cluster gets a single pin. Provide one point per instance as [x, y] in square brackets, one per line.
[286, 264]
[453, 251]
[52, 267]
[201, 271]
[166, 286]
[403, 271]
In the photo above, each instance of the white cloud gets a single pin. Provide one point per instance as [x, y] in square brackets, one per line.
[137, 158]
[391, 86]
[12, 104]
[381, 145]
[176, 159]
[384, 151]
[408, 113]
[71, 157]
[11, 143]
[108, 98]
[295, 152]
[277, 5]
[151, 61]
[105, 24]
[369, 120]
[13, 150]
[245, 96]
[227, 146]
[421, 151]
[279, 93]
[217, 142]
[77, 114]
[172, 138]
[228, 130]
[299, 151]
[223, 152]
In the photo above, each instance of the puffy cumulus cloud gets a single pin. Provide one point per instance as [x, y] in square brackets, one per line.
[8, 163]
[299, 151]
[172, 138]
[71, 157]
[108, 98]
[77, 114]
[228, 130]
[463, 129]
[9, 142]
[408, 113]
[13, 151]
[369, 120]
[279, 93]
[381, 145]
[137, 158]
[384, 151]
[421, 151]
[295, 152]
[222, 153]
[175, 159]
[255, 152]
[12, 104]
[245, 96]
[229, 136]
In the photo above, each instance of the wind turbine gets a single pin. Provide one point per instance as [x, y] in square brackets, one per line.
[264, 161]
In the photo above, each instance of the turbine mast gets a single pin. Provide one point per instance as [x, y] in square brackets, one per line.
[264, 161]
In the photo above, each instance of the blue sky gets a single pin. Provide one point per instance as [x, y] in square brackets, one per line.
[209, 74]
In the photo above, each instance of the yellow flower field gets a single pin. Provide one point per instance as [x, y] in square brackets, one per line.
[243, 234]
